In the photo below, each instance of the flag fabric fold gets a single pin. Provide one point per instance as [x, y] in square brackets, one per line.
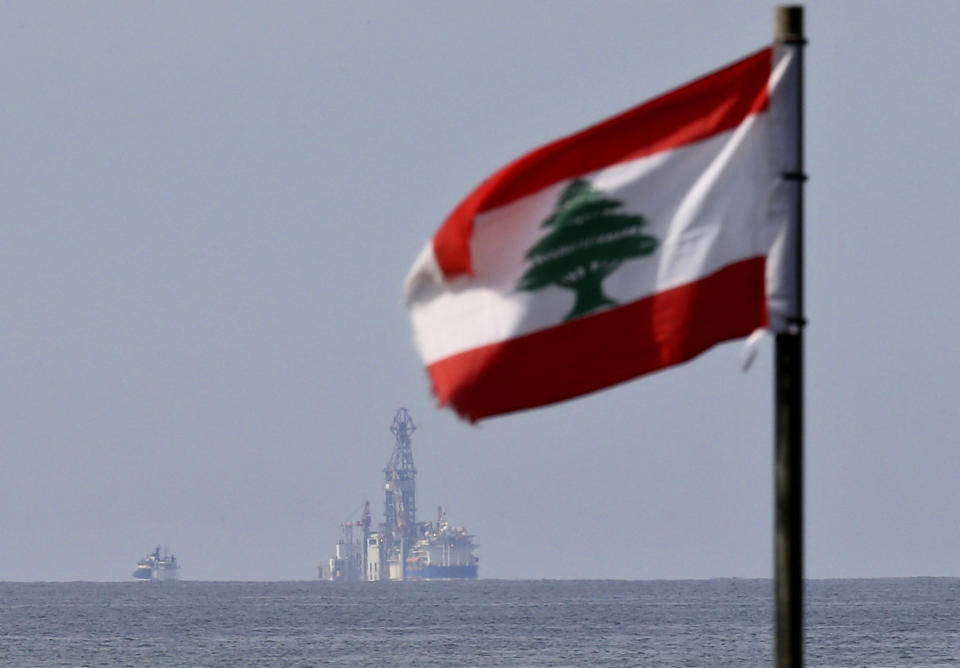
[625, 248]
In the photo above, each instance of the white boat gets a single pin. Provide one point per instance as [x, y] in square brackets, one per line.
[156, 567]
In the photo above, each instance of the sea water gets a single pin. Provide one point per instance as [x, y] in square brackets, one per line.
[897, 622]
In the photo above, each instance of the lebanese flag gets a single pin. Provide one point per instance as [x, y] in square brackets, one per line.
[630, 246]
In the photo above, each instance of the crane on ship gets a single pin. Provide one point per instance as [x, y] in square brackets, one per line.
[349, 563]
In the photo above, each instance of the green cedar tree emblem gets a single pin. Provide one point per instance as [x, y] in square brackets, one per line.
[588, 240]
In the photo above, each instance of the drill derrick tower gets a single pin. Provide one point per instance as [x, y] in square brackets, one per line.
[400, 508]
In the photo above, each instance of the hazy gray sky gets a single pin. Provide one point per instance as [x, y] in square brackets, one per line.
[208, 210]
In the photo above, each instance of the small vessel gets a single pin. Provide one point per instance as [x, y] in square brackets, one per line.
[156, 567]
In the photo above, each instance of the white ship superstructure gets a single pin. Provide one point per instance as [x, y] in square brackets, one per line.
[444, 552]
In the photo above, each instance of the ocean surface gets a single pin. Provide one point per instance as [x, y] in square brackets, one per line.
[897, 622]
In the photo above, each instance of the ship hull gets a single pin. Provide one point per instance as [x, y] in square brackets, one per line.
[433, 572]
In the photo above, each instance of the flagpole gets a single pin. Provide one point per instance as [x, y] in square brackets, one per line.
[788, 382]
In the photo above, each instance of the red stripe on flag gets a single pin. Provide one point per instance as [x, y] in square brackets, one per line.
[705, 107]
[594, 352]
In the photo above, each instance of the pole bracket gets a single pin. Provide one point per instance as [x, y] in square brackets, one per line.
[794, 176]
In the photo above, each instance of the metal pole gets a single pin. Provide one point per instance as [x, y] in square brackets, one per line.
[788, 461]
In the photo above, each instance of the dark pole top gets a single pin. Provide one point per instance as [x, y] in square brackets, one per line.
[789, 24]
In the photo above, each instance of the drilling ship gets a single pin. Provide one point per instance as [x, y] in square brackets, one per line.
[401, 548]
